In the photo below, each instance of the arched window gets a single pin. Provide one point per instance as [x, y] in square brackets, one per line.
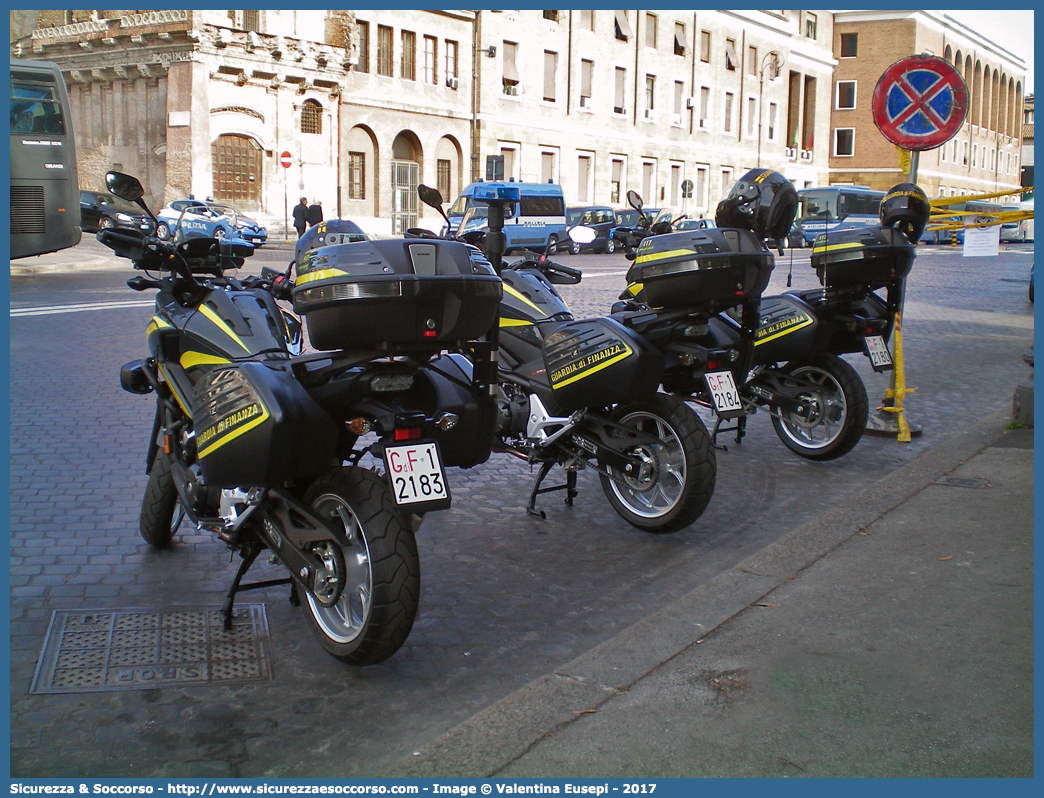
[311, 117]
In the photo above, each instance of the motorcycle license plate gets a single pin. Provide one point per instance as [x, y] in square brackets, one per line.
[877, 351]
[724, 394]
[418, 480]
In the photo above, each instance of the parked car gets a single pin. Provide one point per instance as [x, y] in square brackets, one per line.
[102, 211]
[599, 218]
[693, 224]
[208, 218]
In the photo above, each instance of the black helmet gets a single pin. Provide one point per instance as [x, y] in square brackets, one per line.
[906, 208]
[761, 201]
[333, 231]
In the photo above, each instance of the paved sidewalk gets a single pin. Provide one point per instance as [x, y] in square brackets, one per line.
[891, 637]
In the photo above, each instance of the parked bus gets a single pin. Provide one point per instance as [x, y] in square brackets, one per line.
[833, 208]
[1021, 230]
[969, 212]
[45, 195]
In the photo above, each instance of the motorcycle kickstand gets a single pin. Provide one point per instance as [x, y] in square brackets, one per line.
[569, 488]
[740, 430]
[249, 554]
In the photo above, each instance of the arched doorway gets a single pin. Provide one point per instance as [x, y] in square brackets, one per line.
[405, 177]
[237, 171]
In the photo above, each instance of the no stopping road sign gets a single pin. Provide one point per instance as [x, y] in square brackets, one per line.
[920, 102]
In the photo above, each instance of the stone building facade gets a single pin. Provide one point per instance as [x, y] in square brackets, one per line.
[984, 157]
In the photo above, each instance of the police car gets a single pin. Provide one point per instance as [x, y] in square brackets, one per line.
[190, 218]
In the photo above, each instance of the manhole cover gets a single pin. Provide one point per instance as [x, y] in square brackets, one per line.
[91, 651]
[960, 482]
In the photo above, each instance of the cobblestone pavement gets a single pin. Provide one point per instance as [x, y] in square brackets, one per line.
[505, 597]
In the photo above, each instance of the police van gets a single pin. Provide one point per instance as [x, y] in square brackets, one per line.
[536, 221]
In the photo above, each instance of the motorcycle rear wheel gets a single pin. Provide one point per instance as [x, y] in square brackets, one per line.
[158, 520]
[839, 414]
[378, 604]
[683, 467]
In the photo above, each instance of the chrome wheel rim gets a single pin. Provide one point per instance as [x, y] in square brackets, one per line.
[658, 488]
[345, 619]
[829, 410]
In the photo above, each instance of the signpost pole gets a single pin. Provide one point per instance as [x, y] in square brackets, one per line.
[285, 159]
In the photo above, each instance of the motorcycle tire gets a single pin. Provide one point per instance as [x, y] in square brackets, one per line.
[380, 569]
[683, 467]
[839, 413]
[158, 520]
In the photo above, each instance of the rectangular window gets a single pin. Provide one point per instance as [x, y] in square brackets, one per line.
[384, 50]
[620, 91]
[586, 73]
[964, 156]
[752, 116]
[730, 54]
[357, 176]
[849, 45]
[705, 46]
[583, 178]
[442, 180]
[430, 60]
[650, 30]
[551, 15]
[616, 184]
[252, 21]
[679, 38]
[623, 26]
[650, 97]
[675, 184]
[752, 61]
[508, 154]
[648, 186]
[679, 94]
[364, 48]
[704, 107]
[726, 178]
[773, 110]
[510, 77]
[701, 187]
[587, 19]
[728, 111]
[975, 155]
[547, 167]
[409, 55]
[846, 95]
[451, 59]
[844, 141]
[810, 26]
[550, 68]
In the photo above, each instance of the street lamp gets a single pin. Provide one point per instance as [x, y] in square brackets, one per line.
[773, 59]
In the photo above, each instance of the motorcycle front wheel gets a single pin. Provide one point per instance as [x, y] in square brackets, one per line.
[161, 511]
[839, 410]
[677, 479]
[378, 567]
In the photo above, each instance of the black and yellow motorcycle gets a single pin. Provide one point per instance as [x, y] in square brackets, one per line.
[264, 446]
[575, 393]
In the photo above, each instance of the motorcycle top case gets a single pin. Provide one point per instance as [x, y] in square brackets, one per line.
[397, 291]
[599, 362]
[711, 269]
[256, 426]
[868, 257]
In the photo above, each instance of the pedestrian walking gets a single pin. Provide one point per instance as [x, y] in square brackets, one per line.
[301, 216]
[315, 213]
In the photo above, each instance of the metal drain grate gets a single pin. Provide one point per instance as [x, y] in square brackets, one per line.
[962, 482]
[92, 651]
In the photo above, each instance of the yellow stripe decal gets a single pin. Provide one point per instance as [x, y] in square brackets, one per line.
[671, 253]
[183, 404]
[320, 274]
[635, 288]
[786, 331]
[521, 298]
[588, 372]
[514, 322]
[220, 324]
[190, 359]
[219, 442]
[832, 247]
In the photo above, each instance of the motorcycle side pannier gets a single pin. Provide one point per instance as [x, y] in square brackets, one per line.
[258, 426]
[599, 362]
[397, 291]
[871, 257]
[711, 269]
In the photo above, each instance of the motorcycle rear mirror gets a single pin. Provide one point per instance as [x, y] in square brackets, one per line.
[124, 186]
[634, 199]
[581, 234]
[430, 196]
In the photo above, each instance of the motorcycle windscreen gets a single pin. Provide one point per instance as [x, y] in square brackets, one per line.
[599, 362]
